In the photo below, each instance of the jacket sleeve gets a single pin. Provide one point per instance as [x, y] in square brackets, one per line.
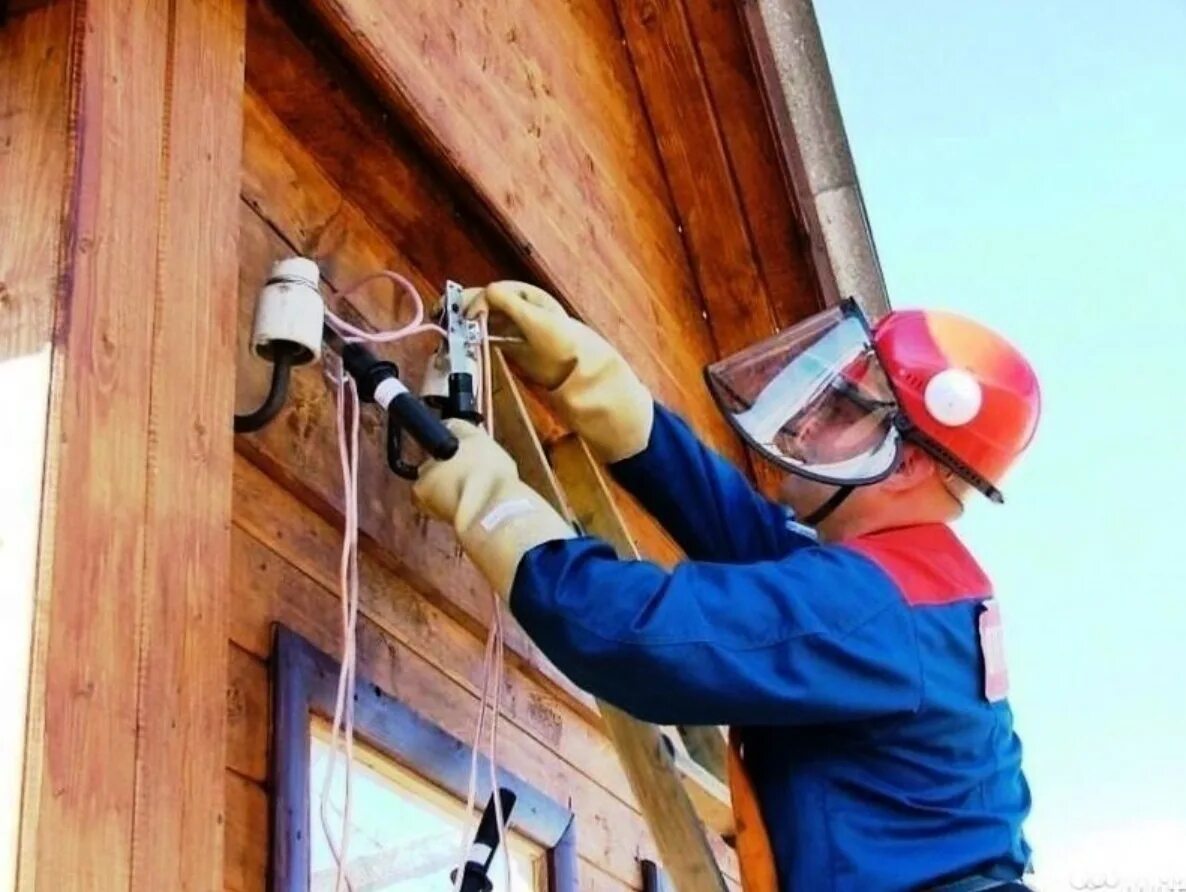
[705, 504]
[820, 636]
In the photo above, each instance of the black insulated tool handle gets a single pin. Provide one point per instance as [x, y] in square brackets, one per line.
[423, 426]
[476, 873]
[488, 827]
[406, 409]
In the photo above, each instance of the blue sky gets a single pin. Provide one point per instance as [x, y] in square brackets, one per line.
[1026, 164]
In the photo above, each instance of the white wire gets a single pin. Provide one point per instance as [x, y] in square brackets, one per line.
[493, 663]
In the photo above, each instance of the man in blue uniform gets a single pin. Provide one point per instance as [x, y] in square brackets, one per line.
[843, 632]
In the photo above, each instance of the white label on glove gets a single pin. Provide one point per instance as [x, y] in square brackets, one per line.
[503, 512]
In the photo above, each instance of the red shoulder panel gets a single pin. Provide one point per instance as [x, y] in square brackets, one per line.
[928, 562]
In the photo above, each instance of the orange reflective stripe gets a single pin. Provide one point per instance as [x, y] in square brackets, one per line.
[754, 855]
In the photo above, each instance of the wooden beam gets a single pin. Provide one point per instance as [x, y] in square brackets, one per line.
[123, 782]
[594, 507]
[34, 106]
[513, 429]
[80, 780]
[246, 855]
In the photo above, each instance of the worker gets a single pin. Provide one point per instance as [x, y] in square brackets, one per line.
[843, 632]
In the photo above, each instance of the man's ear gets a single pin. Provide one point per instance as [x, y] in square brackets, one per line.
[915, 469]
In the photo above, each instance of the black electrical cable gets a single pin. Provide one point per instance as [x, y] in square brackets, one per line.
[282, 363]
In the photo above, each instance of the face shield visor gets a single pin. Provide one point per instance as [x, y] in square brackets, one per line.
[814, 399]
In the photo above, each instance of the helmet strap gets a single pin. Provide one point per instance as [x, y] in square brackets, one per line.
[816, 517]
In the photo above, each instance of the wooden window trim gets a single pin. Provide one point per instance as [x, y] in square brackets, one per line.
[304, 683]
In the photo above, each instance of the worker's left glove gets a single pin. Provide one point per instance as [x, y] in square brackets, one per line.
[594, 388]
[498, 517]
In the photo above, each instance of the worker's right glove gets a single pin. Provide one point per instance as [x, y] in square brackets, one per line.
[498, 518]
[596, 392]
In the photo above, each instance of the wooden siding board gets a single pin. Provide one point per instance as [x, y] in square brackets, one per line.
[83, 777]
[123, 781]
[698, 171]
[248, 711]
[372, 163]
[177, 833]
[245, 856]
[772, 216]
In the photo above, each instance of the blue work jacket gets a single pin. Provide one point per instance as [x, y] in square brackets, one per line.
[865, 676]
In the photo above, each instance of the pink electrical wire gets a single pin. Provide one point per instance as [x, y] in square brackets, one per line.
[493, 663]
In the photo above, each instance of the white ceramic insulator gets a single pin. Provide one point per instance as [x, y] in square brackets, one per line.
[290, 308]
[953, 397]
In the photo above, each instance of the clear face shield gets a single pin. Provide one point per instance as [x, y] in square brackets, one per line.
[814, 399]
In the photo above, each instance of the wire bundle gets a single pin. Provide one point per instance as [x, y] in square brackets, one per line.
[342, 732]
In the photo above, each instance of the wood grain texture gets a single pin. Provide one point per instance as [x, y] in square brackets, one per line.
[177, 834]
[739, 222]
[500, 93]
[299, 538]
[246, 852]
[123, 787]
[34, 154]
[274, 591]
[776, 226]
[790, 155]
[698, 171]
[248, 712]
[80, 783]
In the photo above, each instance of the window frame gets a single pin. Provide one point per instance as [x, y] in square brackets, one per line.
[304, 683]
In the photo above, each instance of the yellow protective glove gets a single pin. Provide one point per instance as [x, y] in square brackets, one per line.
[498, 517]
[596, 392]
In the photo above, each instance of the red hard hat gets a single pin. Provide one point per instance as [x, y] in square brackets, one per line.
[963, 387]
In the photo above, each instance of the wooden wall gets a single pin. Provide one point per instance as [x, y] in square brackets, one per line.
[576, 144]
[615, 151]
[119, 158]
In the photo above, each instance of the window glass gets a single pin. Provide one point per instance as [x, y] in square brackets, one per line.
[405, 833]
